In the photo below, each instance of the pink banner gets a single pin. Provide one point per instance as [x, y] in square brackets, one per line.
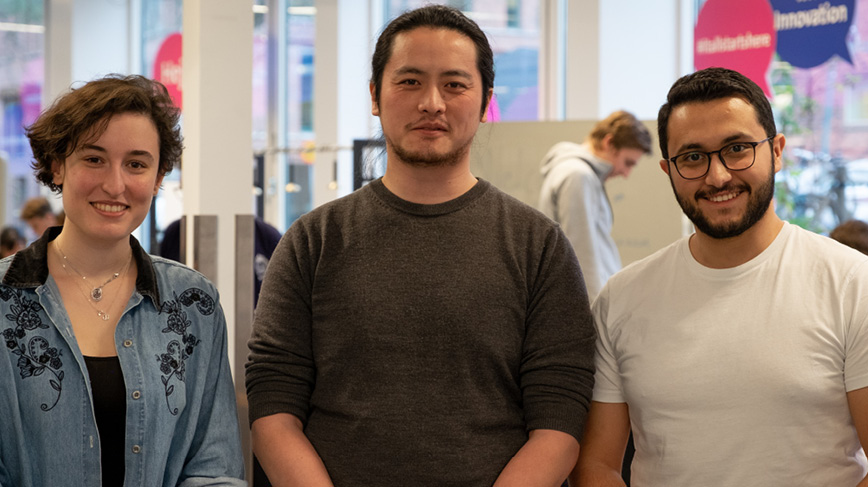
[167, 66]
[736, 34]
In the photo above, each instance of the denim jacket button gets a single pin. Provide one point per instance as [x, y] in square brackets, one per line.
[128, 343]
[137, 449]
[137, 394]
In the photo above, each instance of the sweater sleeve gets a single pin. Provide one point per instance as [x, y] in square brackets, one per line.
[280, 371]
[557, 370]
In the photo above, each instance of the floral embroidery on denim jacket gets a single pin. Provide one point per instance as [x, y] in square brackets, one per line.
[35, 355]
[172, 363]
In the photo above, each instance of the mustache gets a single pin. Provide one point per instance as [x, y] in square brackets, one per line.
[429, 123]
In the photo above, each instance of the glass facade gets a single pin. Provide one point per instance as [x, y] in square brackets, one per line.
[22, 38]
[162, 21]
[301, 20]
[161, 25]
[823, 111]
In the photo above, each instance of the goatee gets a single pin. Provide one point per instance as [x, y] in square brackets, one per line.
[429, 158]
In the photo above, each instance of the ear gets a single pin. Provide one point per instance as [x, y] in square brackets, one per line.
[664, 165]
[606, 143]
[487, 105]
[375, 107]
[158, 183]
[608, 151]
[57, 169]
[778, 144]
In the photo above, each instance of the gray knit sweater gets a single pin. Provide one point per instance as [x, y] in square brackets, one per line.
[418, 343]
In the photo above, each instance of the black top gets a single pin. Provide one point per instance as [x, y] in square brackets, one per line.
[110, 409]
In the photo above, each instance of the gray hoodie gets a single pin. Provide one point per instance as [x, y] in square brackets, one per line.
[574, 196]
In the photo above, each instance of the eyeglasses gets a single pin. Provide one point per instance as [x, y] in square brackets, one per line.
[737, 156]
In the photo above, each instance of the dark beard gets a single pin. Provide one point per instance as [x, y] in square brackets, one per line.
[757, 205]
[429, 159]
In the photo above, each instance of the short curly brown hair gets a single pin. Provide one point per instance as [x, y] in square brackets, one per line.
[84, 113]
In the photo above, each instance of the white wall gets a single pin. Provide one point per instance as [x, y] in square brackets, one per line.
[625, 54]
[85, 39]
[342, 105]
[218, 158]
[638, 61]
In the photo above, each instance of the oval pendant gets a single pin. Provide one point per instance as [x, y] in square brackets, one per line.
[96, 294]
[104, 316]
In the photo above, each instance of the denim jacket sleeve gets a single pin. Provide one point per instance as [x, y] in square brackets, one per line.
[208, 448]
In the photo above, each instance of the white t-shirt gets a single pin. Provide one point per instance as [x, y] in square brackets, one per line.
[738, 377]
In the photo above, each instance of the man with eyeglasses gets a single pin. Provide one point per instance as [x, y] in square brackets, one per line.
[739, 354]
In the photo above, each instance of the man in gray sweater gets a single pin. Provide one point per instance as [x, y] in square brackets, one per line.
[428, 329]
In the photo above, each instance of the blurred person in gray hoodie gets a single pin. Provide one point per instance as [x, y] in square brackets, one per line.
[573, 192]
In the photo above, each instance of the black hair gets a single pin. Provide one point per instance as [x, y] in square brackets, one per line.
[440, 17]
[713, 84]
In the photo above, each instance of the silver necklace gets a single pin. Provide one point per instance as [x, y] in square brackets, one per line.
[96, 292]
[101, 313]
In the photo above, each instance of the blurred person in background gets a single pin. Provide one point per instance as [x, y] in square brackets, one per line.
[38, 214]
[852, 233]
[11, 241]
[574, 193]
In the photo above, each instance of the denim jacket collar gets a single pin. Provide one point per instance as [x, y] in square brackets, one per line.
[29, 267]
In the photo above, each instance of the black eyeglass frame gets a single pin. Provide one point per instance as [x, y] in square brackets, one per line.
[719, 153]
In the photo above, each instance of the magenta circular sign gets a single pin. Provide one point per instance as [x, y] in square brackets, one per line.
[736, 34]
[167, 66]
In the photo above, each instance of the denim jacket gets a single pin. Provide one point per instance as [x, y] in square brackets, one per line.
[181, 426]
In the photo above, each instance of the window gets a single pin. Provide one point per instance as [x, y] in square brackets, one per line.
[513, 29]
[823, 111]
[161, 24]
[21, 79]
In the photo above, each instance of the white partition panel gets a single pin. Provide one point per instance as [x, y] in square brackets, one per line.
[647, 217]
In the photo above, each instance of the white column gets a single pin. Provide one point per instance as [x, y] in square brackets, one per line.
[58, 49]
[278, 123]
[356, 40]
[325, 116]
[551, 70]
[217, 172]
[84, 39]
[342, 103]
[625, 54]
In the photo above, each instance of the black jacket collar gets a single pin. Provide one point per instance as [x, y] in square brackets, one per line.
[29, 267]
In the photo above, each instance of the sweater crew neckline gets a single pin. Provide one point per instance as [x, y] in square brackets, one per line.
[392, 200]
